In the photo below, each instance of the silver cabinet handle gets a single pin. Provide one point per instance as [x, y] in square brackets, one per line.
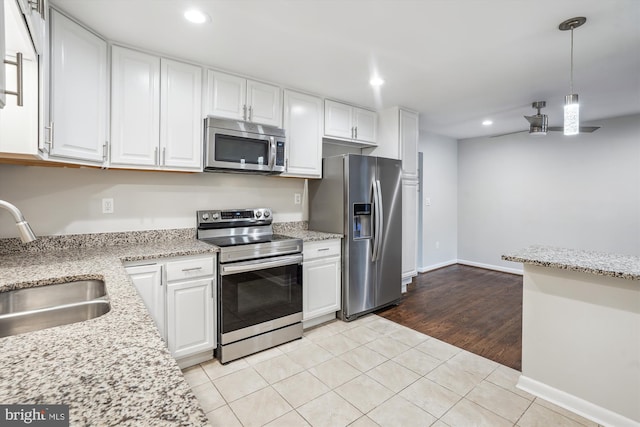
[192, 269]
[323, 249]
[353, 131]
[155, 156]
[38, 6]
[213, 290]
[356, 130]
[105, 148]
[244, 111]
[164, 156]
[50, 141]
[19, 92]
[250, 113]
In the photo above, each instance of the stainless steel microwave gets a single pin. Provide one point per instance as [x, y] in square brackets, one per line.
[237, 146]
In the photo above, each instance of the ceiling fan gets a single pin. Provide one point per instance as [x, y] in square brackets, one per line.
[539, 123]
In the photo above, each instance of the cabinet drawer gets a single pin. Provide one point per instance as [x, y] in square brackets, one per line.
[321, 249]
[190, 268]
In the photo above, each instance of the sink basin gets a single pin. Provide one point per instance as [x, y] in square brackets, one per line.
[31, 309]
[51, 295]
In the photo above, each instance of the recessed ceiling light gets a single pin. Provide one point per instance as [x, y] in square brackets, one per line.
[487, 122]
[376, 81]
[196, 16]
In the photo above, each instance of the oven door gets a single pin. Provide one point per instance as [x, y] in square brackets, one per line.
[258, 296]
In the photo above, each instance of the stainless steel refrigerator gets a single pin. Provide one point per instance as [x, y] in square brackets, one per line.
[361, 198]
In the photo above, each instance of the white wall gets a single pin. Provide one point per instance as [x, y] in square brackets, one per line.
[440, 184]
[580, 192]
[69, 201]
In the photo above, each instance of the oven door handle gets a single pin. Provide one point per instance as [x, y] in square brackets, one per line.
[246, 266]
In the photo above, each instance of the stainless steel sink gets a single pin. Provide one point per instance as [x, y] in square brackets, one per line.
[31, 309]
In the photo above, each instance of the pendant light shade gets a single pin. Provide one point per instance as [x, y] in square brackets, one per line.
[571, 115]
[571, 106]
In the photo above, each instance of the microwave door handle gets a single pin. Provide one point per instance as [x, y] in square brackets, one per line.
[272, 152]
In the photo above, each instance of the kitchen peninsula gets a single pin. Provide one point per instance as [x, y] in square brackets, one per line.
[581, 331]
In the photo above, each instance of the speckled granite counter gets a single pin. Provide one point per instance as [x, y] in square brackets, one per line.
[300, 230]
[111, 370]
[604, 264]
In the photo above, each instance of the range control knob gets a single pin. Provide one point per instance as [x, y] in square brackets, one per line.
[267, 214]
[215, 216]
[258, 214]
[205, 216]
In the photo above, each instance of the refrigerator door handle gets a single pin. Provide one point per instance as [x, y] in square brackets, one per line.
[374, 199]
[379, 219]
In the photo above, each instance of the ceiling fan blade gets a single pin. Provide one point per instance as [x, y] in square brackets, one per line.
[583, 129]
[510, 133]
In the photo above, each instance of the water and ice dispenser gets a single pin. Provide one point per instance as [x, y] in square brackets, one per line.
[362, 221]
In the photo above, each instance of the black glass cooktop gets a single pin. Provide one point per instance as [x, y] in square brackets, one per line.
[227, 241]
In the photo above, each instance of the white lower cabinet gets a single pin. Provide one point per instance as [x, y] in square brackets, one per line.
[148, 282]
[321, 281]
[180, 296]
[409, 231]
[190, 317]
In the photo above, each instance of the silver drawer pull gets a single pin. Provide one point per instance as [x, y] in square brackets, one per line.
[192, 269]
[323, 249]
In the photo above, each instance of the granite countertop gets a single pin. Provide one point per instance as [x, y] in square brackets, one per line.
[312, 236]
[114, 369]
[600, 263]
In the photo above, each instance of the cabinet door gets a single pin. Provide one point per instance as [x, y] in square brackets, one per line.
[303, 123]
[338, 120]
[147, 280]
[321, 281]
[135, 108]
[19, 124]
[226, 95]
[180, 116]
[409, 229]
[190, 317]
[78, 91]
[409, 143]
[264, 104]
[365, 122]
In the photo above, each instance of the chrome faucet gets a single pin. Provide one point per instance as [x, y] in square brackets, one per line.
[26, 233]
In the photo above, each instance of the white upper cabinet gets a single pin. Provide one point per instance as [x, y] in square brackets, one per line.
[19, 124]
[150, 131]
[303, 125]
[398, 139]
[135, 108]
[237, 98]
[351, 123]
[78, 92]
[180, 121]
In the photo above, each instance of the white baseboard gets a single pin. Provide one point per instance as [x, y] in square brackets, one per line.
[437, 266]
[491, 267]
[318, 320]
[575, 404]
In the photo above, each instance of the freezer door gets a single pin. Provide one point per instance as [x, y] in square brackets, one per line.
[388, 286]
[360, 274]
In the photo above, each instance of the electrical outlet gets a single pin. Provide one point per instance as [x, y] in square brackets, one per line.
[437, 245]
[297, 198]
[107, 206]
[427, 201]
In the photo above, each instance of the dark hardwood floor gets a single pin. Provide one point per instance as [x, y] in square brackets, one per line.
[476, 309]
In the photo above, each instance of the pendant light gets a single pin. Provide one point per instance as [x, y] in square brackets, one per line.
[571, 106]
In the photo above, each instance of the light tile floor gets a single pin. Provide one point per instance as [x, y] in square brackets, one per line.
[369, 372]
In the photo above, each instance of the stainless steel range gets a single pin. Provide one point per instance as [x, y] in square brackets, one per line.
[259, 281]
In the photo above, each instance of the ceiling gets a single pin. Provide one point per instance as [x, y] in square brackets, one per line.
[457, 62]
